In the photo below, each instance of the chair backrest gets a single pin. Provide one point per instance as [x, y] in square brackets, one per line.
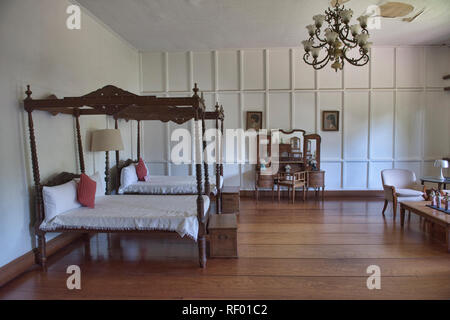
[399, 178]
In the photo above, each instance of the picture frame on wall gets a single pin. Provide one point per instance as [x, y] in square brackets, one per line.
[254, 120]
[330, 120]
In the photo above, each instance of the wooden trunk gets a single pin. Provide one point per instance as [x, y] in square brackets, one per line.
[223, 236]
[230, 200]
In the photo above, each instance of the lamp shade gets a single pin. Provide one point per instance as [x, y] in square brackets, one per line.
[441, 164]
[106, 140]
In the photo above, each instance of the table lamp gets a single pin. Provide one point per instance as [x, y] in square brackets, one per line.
[441, 164]
[106, 140]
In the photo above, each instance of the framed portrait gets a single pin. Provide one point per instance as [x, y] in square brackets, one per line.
[254, 120]
[330, 120]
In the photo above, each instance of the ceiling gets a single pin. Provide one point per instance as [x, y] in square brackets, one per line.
[179, 25]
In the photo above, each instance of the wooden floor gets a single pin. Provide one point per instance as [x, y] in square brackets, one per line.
[312, 250]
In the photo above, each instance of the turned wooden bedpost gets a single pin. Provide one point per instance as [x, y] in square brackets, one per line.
[201, 238]
[138, 139]
[221, 152]
[116, 126]
[41, 256]
[107, 174]
[205, 160]
[221, 130]
[79, 140]
[218, 153]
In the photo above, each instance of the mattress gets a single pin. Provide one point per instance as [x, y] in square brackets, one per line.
[134, 212]
[168, 185]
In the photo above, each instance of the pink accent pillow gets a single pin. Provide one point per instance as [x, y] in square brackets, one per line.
[86, 191]
[141, 170]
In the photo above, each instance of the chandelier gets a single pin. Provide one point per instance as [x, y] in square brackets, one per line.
[337, 39]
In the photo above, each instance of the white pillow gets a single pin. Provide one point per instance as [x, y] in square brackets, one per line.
[59, 199]
[128, 176]
[100, 190]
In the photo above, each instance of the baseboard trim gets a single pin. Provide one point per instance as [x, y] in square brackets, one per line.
[23, 263]
[327, 194]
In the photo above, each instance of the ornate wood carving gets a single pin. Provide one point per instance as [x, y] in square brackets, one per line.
[178, 115]
[61, 178]
[109, 91]
[120, 103]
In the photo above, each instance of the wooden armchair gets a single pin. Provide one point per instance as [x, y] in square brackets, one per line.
[291, 181]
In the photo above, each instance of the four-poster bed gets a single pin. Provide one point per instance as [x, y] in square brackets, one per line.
[119, 103]
[160, 184]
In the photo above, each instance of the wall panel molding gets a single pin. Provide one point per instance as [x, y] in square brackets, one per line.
[277, 82]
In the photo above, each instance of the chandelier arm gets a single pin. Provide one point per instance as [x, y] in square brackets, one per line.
[348, 42]
[322, 64]
[344, 27]
[355, 62]
[351, 43]
[314, 63]
[320, 45]
[318, 37]
[305, 58]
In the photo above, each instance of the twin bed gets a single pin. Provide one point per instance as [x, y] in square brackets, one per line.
[167, 185]
[173, 204]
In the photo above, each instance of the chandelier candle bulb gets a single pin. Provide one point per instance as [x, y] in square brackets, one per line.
[355, 28]
[346, 15]
[311, 29]
[363, 21]
[319, 19]
[362, 39]
[315, 52]
[331, 36]
[307, 45]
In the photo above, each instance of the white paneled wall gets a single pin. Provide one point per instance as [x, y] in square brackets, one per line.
[394, 112]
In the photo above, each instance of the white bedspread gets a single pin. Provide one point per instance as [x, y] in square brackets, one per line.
[168, 185]
[134, 212]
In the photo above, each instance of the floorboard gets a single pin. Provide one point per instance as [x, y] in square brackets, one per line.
[311, 250]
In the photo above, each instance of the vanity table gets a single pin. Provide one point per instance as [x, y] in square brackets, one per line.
[297, 152]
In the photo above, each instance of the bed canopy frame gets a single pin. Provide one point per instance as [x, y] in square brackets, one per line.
[120, 104]
[138, 114]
